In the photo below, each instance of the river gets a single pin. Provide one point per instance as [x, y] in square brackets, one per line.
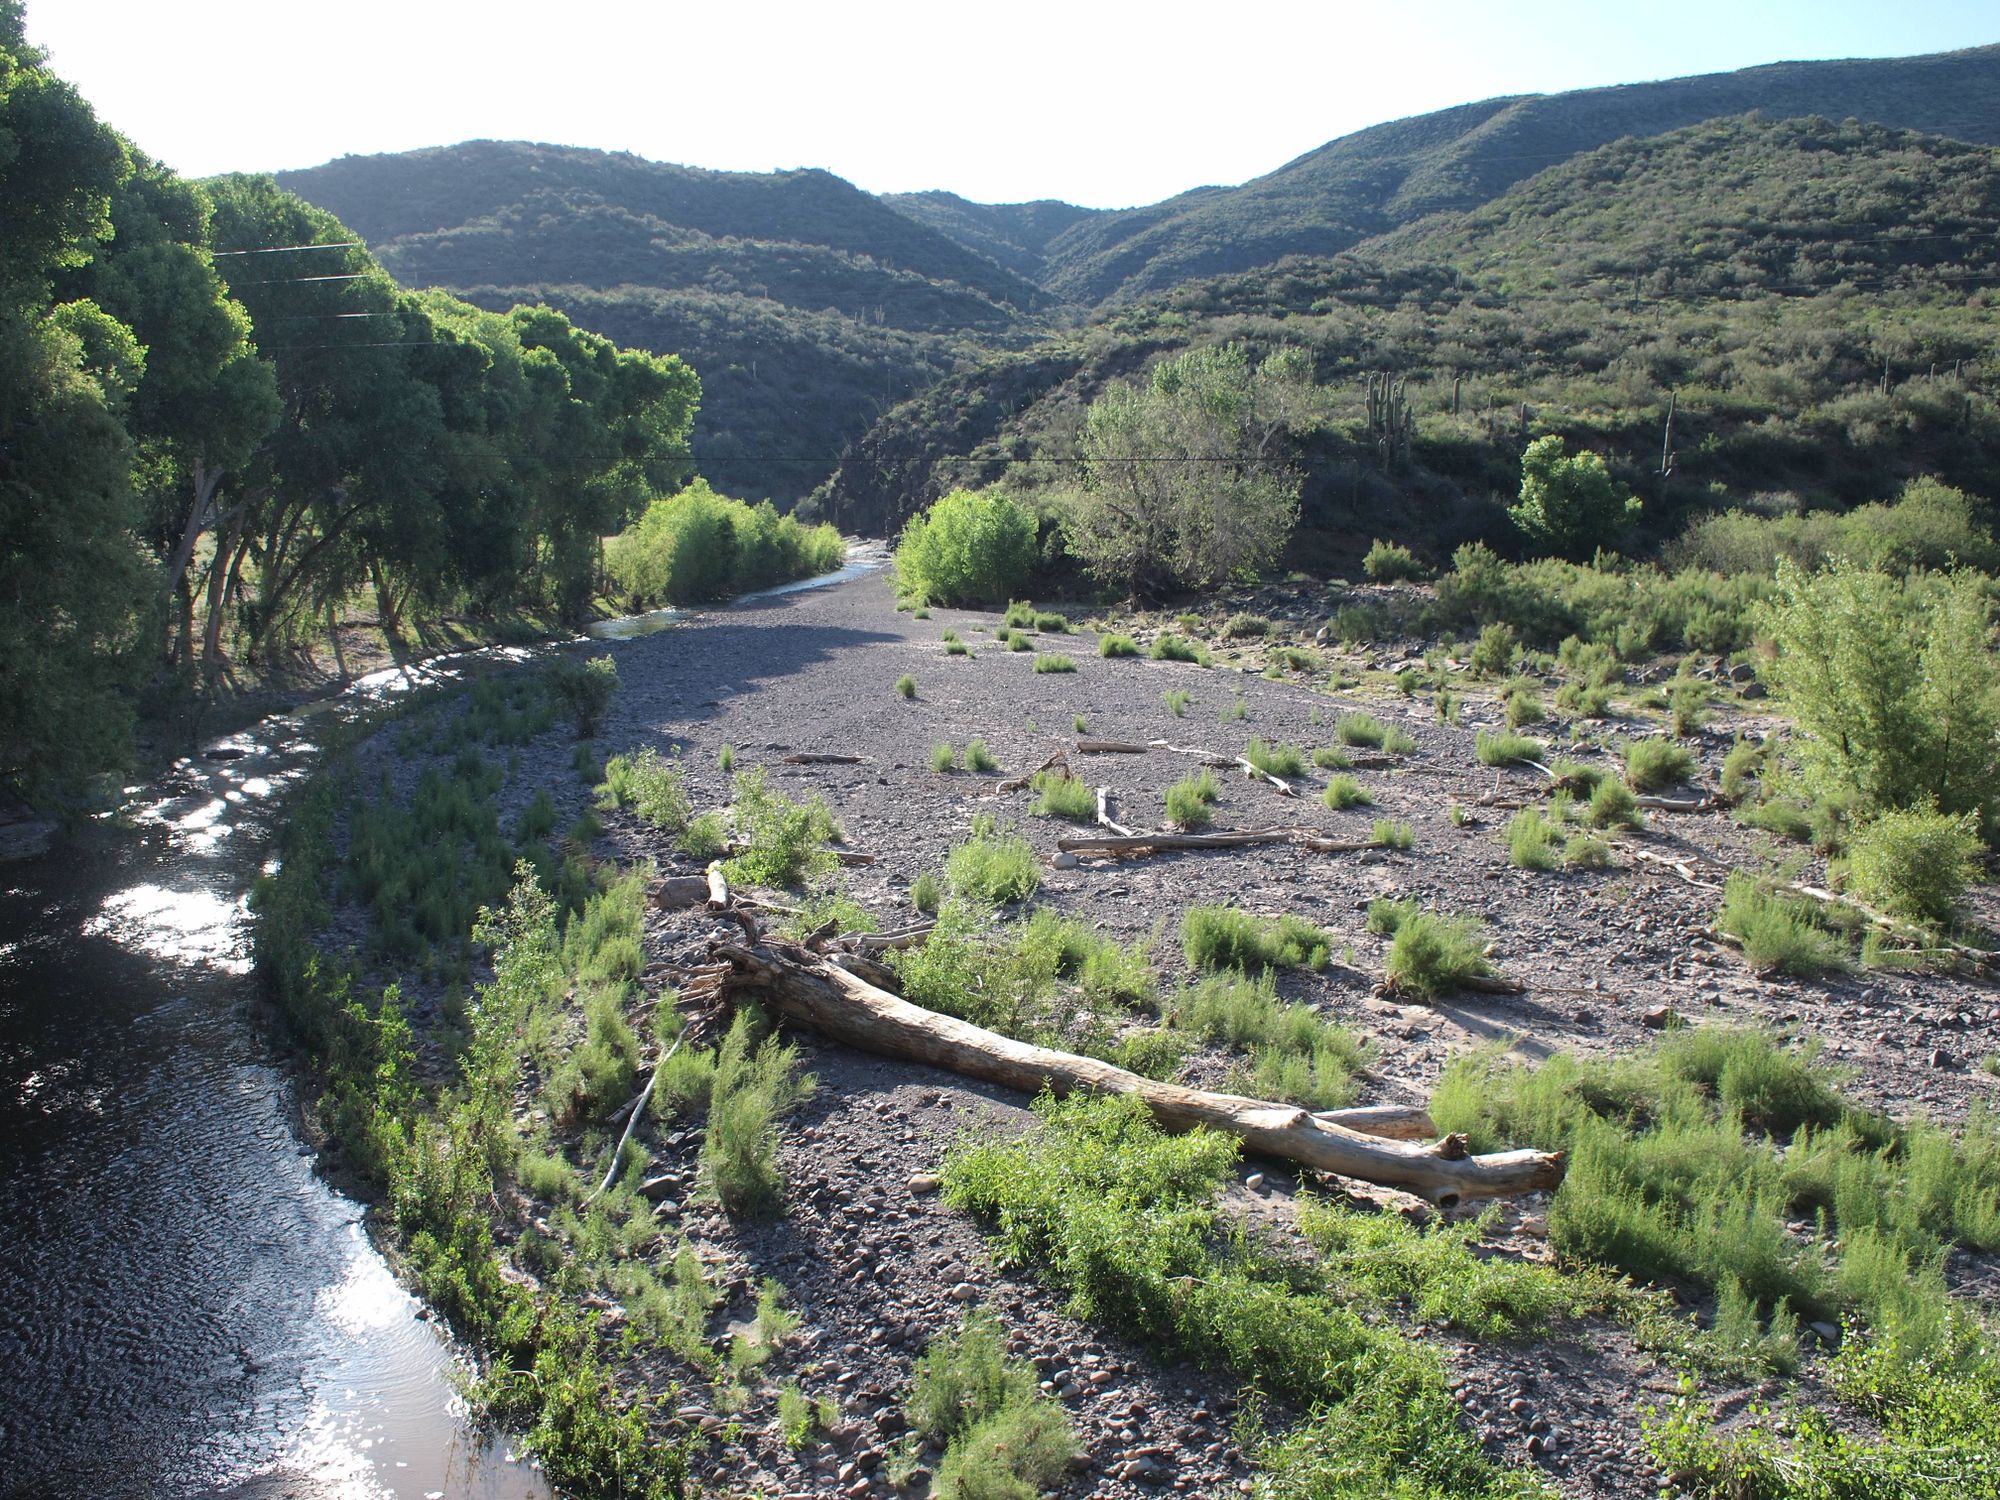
[186, 1307]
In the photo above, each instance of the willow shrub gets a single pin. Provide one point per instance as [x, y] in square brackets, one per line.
[698, 545]
[968, 548]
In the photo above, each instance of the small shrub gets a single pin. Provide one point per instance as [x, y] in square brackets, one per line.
[1177, 700]
[926, 891]
[1020, 615]
[1291, 659]
[1080, 724]
[943, 758]
[1432, 955]
[1053, 662]
[1391, 562]
[784, 838]
[1507, 749]
[1227, 937]
[1392, 835]
[1117, 645]
[1173, 648]
[1533, 842]
[585, 689]
[953, 646]
[1741, 769]
[705, 838]
[1386, 914]
[1361, 729]
[1018, 641]
[1494, 652]
[1330, 758]
[1586, 851]
[967, 548]
[1275, 759]
[979, 758]
[755, 1085]
[1191, 800]
[906, 686]
[1915, 865]
[993, 866]
[1687, 699]
[1613, 806]
[1064, 797]
[1396, 740]
[1343, 792]
[1523, 708]
[1242, 627]
[1651, 765]
[1778, 932]
[651, 786]
[1050, 623]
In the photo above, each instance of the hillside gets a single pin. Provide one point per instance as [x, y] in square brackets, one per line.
[807, 305]
[1378, 179]
[1816, 299]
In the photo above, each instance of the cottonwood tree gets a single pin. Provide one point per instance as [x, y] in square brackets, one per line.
[1183, 479]
[1569, 504]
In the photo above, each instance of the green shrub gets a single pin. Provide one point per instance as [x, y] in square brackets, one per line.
[754, 1086]
[1177, 700]
[1173, 648]
[926, 891]
[1742, 768]
[1915, 865]
[1227, 937]
[1397, 740]
[1048, 622]
[979, 758]
[993, 866]
[1533, 842]
[1275, 759]
[1613, 806]
[1329, 758]
[1053, 661]
[1585, 851]
[1507, 749]
[1390, 562]
[1493, 653]
[1687, 700]
[1191, 800]
[697, 545]
[1389, 834]
[1569, 504]
[968, 548]
[1361, 729]
[1017, 641]
[1651, 765]
[906, 686]
[1894, 686]
[1003, 1439]
[1064, 797]
[1777, 931]
[1432, 955]
[1242, 627]
[784, 839]
[652, 787]
[943, 758]
[705, 838]
[1117, 645]
[1343, 792]
[1294, 1053]
[1020, 615]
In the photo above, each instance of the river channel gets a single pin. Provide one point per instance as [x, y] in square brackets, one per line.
[186, 1307]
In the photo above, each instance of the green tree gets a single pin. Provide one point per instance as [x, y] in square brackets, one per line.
[1183, 484]
[968, 548]
[1569, 505]
[1894, 686]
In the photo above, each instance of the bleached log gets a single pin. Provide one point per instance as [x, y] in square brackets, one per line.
[1258, 773]
[1109, 747]
[828, 999]
[1104, 813]
[718, 887]
[1393, 1122]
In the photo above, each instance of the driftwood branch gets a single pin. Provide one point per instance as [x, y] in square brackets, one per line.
[830, 999]
[1104, 813]
[1056, 762]
[1110, 747]
[1258, 773]
[638, 1113]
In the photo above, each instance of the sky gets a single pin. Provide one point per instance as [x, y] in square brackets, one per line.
[1103, 103]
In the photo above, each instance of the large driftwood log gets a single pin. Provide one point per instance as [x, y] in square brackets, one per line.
[842, 1005]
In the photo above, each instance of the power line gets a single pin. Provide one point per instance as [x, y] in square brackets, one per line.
[287, 249]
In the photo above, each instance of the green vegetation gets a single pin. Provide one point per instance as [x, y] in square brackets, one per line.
[968, 548]
[1226, 937]
[1495, 650]
[979, 758]
[756, 1082]
[1612, 805]
[1295, 1054]
[1331, 758]
[993, 866]
[1002, 1438]
[1361, 729]
[1173, 648]
[926, 891]
[1177, 700]
[906, 686]
[784, 840]
[1777, 931]
[651, 786]
[1117, 645]
[1569, 504]
[1391, 562]
[1275, 759]
[1533, 841]
[1653, 765]
[1060, 796]
[1120, 1219]
[1053, 661]
[1389, 834]
[1430, 955]
[1050, 623]
[1914, 865]
[943, 758]
[1343, 792]
[1191, 801]
[695, 546]
[1507, 749]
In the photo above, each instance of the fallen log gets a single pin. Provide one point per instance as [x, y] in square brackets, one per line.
[817, 758]
[718, 887]
[836, 1003]
[1392, 1122]
[1104, 813]
[1675, 804]
[1110, 747]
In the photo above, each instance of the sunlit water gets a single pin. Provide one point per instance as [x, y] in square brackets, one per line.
[186, 1307]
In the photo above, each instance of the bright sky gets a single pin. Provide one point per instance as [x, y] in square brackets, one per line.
[1106, 103]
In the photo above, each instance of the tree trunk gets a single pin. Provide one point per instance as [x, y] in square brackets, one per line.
[847, 1008]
